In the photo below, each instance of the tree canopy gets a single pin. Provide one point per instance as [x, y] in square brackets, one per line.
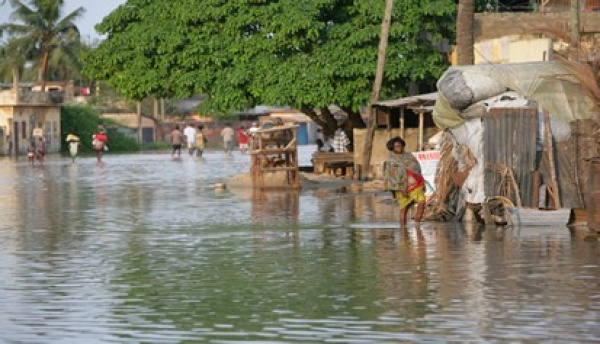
[303, 53]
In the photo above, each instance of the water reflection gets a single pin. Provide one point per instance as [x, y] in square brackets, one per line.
[142, 248]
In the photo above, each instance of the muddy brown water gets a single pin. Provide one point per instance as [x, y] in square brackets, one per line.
[142, 248]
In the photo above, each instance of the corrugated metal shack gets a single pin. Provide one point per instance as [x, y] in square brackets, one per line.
[531, 150]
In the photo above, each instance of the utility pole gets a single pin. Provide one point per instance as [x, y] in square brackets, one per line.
[383, 43]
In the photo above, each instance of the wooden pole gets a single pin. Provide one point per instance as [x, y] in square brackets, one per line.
[383, 42]
[139, 114]
[402, 134]
[465, 38]
[575, 24]
[421, 129]
[155, 107]
[549, 148]
[536, 189]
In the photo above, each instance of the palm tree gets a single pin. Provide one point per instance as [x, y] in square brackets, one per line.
[64, 63]
[464, 32]
[41, 28]
[13, 56]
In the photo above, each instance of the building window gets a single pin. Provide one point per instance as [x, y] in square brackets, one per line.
[24, 129]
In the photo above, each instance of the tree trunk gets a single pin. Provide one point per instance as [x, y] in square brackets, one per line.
[15, 75]
[355, 118]
[325, 120]
[43, 70]
[383, 42]
[162, 109]
[464, 32]
[575, 24]
[155, 107]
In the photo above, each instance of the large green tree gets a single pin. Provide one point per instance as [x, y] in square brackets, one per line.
[40, 28]
[304, 53]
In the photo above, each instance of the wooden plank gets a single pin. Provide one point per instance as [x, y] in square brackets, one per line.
[266, 151]
[280, 168]
[276, 129]
[549, 148]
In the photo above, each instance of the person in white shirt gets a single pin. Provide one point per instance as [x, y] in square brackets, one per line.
[190, 137]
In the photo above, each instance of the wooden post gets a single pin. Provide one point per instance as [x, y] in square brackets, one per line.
[421, 129]
[155, 106]
[536, 189]
[465, 40]
[549, 148]
[383, 42]
[402, 134]
[575, 24]
[139, 114]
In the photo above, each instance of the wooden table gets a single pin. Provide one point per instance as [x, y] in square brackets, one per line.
[324, 162]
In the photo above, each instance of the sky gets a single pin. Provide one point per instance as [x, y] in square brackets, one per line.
[95, 10]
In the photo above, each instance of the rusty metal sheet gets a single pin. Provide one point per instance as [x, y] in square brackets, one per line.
[510, 138]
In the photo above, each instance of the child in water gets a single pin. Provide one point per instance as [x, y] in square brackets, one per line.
[31, 152]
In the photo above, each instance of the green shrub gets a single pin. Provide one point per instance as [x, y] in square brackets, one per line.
[157, 145]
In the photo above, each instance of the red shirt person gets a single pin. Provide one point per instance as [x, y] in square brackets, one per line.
[99, 144]
[242, 139]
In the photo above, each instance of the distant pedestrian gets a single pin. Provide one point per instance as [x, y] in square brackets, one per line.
[253, 129]
[176, 141]
[40, 149]
[190, 137]
[340, 141]
[323, 143]
[242, 139]
[74, 143]
[99, 143]
[227, 134]
[10, 144]
[200, 140]
[252, 133]
[31, 152]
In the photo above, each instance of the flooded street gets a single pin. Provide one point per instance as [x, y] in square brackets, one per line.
[143, 248]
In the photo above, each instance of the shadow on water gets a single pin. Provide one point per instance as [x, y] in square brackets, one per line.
[142, 248]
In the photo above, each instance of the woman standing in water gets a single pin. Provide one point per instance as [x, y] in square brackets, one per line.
[403, 176]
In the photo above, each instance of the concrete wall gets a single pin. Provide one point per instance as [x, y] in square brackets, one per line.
[512, 49]
[494, 25]
[29, 117]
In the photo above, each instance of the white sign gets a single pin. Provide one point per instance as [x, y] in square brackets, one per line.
[38, 132]
[429, 161]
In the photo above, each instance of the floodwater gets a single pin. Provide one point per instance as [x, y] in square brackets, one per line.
[143, 248]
